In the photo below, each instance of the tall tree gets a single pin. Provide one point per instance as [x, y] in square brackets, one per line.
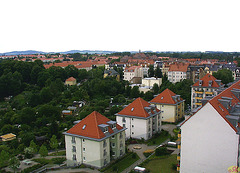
[43, 151]
[54, 142]
[4, 158]
[33, 146]
[151, 71]
[158, 72]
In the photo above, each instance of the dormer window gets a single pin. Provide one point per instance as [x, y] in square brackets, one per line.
[105, 129]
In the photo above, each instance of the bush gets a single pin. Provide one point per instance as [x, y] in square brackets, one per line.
[42, 161]
[58, 160]
[174, 167]
[134, 155]
[32, 168]
[161, 151]
[115, 168]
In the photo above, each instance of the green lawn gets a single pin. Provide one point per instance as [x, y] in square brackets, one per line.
[157, 140]
[122, 164]
[162, 164]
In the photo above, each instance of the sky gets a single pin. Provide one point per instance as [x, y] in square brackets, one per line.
[119, 25]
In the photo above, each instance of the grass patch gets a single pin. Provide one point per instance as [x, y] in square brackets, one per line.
[60, 153]
[123, 163]
[159, 138]
[162, 164]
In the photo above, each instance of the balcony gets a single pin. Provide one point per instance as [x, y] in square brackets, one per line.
[179, 146]
[209, 93]
[199, 92]
[179, 135]
[178, 168]
[198, 104]
[178, 157]
[199, 98]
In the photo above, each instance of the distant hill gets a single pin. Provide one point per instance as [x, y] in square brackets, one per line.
[67, 52]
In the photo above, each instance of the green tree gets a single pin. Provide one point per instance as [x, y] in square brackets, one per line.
[224, 75]
[158, 72]
[54, 142]
[135, 92]
[151, 71]
[148, 96]
[14, 163]
[43, 151]
[33, 146]
[4, 158]
[165, 78]
[155, 88]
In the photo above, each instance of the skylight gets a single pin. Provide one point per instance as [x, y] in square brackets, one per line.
[132, 109]
[161, 98]
[84, 126]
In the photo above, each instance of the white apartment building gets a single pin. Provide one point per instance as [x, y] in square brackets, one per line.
[141, 119]
[133, 71]
[210, 137]
[177, 72]
[94, 141]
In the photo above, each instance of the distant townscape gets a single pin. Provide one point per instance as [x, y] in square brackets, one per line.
[105, 111]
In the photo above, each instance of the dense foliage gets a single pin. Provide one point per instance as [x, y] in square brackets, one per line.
[32, 99]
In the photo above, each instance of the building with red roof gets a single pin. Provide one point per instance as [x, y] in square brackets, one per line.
[141, 119]
[178, 72]
[71, 81]
[206, 86]
[94, 141]
[171, 105]
[210, 137]
[133, 71]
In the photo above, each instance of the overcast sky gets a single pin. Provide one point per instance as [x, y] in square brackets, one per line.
[120, 25]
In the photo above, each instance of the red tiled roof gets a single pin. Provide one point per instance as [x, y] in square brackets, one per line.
[136, 108]
[179, 67]
[71, 79]
[205, 81]
[165, 97]
[131, 68]
[92, 129]
[219, 107]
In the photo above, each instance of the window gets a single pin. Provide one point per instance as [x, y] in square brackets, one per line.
[73, 148]
[105, 129]
[83, 140]
[105, 161]
[73, 140]
[113, 137]
[84, 158]
[104, 143]
[124, 125]
[121, 135]
[132, 125]
[113, 145]
[74, 157]
[84, 149]
[104, 152]
[113, 153]
[123, 119]
[132, 132]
